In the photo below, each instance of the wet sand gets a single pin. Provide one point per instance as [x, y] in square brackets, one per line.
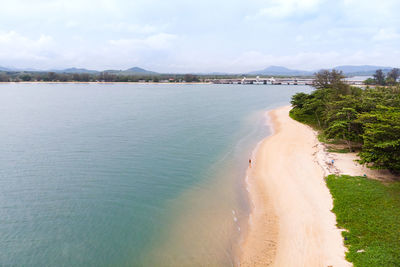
[291, 222]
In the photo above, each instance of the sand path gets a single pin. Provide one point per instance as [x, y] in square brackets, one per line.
[291, 222]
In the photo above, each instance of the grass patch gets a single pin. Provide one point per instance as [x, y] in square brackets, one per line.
[323, 139]
[370, 211]
[338, 150]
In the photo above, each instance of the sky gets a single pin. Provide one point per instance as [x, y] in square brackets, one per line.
[198, 36]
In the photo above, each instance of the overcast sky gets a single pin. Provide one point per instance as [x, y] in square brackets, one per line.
[198, 36]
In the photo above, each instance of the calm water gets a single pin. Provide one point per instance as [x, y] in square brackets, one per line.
[127, 175]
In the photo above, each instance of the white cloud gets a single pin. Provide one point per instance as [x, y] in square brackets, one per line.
[16, 47]
[371, 13]
[71, 24]
[17, 50]
[253, 60]
[131, 28]
[387, 34]
[15, 39]
[208, 36]
[280, 9]
[160, 41]
[52, 6]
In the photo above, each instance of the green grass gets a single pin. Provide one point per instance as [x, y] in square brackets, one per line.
[370, 212]
[338, 150]
[323, 139]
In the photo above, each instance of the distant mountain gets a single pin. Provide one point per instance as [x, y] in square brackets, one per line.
[77, 70]
[278, 70]
[212, 73]
[19, 69]
[363, 70]
[138, 71]
[348, 70]
[131, 71]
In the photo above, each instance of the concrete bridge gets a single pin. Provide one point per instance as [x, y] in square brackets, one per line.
[264, 80]
[282, 81]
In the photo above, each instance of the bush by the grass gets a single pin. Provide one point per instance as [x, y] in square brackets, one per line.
[300, 116]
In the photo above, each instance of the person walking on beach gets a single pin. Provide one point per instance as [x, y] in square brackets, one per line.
[250, 163]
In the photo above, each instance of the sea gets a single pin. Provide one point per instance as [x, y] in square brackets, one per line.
[128, 174]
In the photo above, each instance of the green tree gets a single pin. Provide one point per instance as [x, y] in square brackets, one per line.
[386, 96]
[367, 118]
[381, 149]
[4, 77]
[25, 77]
[333, 81]
[317, 105]
[326, 79]
[309, 108]
[342, 124]
[85, 77]
[299, 100]
[370, 81]
[190, 78]
[394, 74]
[379, 77]
[76, 77]
[52, 76]
[390, 81]
[62, 77]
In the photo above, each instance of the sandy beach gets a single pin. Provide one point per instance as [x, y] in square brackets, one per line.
[291, 223]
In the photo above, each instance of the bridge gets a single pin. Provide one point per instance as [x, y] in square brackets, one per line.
[356, 81]
[264, 80]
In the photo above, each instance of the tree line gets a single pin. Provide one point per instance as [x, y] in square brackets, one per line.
[380, 78]
[89, 77]
[367, 120]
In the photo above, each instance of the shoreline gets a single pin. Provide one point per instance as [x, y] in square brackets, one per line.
[291, 223]
[175, 83]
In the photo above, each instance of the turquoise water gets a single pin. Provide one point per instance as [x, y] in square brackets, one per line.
[127, 175]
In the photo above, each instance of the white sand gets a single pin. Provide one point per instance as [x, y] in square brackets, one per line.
[291, 221]
[346, 163]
